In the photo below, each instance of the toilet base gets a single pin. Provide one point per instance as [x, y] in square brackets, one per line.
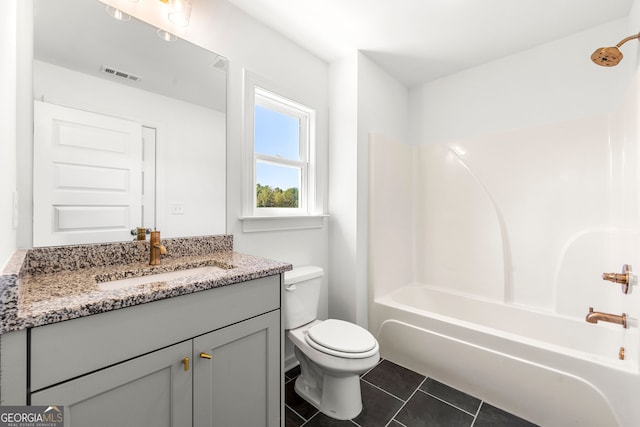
[335, 395]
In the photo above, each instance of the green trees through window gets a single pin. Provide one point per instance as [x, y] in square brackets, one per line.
[268, 197]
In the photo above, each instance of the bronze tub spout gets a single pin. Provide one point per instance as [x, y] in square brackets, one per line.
[595, 316]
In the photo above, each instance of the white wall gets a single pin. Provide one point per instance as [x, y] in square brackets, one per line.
[383, 109]
[8, 59]
[191, 144]
[343, 188]
[364, 99]
[552, 82]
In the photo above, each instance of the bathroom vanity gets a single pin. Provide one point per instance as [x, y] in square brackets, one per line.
[201, 349]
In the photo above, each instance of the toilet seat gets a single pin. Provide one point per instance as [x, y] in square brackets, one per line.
[341, 339]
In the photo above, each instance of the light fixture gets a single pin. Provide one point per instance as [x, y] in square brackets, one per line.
[117, 14]
[179, 12]
[166, 35]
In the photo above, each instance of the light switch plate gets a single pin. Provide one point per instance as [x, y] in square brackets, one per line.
[177, 209]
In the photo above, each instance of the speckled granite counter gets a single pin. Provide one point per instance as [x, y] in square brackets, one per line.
[47, 285]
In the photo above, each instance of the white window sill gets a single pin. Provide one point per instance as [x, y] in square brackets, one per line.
[253, 224]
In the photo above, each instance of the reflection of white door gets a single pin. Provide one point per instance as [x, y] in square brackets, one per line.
[148, 178]
[87, 176]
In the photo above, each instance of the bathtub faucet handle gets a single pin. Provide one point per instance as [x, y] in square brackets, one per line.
[624, 278]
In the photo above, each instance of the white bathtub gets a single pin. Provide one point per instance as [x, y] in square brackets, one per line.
[551, 370]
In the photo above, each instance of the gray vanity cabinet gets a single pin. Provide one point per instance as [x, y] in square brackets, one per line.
[128, 367]
[239, 385]
[152, 390]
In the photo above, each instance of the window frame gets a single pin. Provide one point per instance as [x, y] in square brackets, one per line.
[306, 116]
[259, 221]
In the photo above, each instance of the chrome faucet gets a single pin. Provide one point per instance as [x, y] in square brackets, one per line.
[156, 249]
[594, 316]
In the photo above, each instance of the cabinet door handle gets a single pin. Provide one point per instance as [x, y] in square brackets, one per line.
[185, 361]
[205, 355]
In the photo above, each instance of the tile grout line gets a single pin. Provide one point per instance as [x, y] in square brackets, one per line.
[379, 362]
[396, 421]
[385, 391]
[312, 417]
[287, 381]
[295, 412]
[475, 417]
[408, 399]
[448, 403]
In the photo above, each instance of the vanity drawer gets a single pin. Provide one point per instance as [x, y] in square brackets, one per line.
[66, 350]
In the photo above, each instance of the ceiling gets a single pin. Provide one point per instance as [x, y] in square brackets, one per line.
[421, 40]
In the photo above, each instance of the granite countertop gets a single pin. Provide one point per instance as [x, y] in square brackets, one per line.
[42, 287]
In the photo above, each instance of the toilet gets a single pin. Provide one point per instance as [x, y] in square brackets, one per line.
[332, 353]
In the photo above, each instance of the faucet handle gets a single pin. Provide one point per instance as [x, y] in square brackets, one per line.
[624, 278]
[140, 233]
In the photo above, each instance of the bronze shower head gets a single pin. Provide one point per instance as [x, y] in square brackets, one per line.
[611, 56]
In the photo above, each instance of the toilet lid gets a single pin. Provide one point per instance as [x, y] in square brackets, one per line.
[342, 336]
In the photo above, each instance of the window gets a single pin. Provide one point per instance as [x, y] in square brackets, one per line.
[283, 186]
[282, 147]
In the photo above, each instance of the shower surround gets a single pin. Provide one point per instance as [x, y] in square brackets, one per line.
[486, 254]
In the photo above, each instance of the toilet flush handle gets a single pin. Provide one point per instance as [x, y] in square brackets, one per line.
[290, 288]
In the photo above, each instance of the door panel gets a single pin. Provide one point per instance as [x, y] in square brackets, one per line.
[87, 176]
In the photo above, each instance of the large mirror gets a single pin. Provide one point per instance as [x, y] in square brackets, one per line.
[129, 129]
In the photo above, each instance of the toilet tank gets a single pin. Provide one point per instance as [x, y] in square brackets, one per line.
[301, 295]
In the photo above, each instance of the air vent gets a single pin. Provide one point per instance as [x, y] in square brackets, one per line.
[119, 73]
[219, 63]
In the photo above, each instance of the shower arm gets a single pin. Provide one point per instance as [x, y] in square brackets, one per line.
[626, 39]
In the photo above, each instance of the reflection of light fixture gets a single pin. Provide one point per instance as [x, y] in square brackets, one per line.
[179, 12]
[117, 14]
[166, 35]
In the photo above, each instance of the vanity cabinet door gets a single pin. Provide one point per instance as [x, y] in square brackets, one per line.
[153, 390]
[239, 385]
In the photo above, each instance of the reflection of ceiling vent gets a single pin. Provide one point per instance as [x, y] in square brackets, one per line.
[119, 73]
[219, 63]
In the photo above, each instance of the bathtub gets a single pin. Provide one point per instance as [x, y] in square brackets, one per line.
[549, 369]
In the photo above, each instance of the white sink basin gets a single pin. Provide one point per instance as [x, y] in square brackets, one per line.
[160, 277]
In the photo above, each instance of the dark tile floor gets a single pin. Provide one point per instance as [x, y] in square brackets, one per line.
[394, 396]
